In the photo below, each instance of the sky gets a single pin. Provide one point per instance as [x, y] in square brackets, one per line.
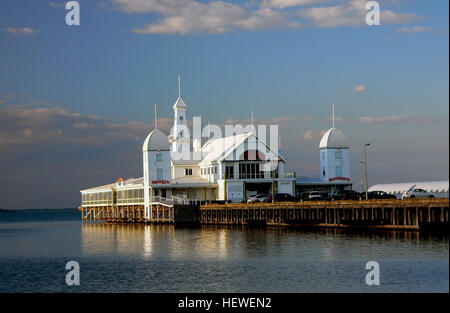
[76, 102]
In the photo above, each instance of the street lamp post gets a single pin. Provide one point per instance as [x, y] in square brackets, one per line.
[365, 170]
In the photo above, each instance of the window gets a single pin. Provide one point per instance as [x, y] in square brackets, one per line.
[323, 155]
[159, 174]
[338, 154]
[323, 172]
[338, 171]
[181, 133]
[159, 156]
[181, 117]
[188, 171]
[229, 172]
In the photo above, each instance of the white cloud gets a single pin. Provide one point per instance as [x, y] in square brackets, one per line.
[281, 4]
[56, 4]
[23, 31]
[285, 122]
[195, 17]
[352, 13]
[415, 29]
[21, 125]
[214, 17]
[313, 134]
[399, 119]
[359, 88]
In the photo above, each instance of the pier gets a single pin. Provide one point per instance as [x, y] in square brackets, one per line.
[162, 210]
[413, 214]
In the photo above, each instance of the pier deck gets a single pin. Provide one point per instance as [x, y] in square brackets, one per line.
[411, 214]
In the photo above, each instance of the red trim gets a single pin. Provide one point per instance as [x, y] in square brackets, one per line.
[164, 182]
[338, 178]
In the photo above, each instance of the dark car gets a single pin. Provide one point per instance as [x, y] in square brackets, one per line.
[284, 197]
[380, 195]
[346, 195]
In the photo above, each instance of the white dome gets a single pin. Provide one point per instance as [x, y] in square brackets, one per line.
[156, 141]
[333, 139]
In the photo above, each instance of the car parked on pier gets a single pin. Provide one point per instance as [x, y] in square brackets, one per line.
[347, 195]
[312, 196]
[259, 198]
[416, 193]
[284, 197]
[379, 195]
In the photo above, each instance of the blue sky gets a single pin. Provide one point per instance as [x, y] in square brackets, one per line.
[76, 102]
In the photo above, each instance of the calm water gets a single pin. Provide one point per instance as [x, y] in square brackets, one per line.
[36, 245]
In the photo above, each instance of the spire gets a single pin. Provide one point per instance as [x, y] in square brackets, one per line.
[179, 86]
[333, 113]
[156, 118]
[179, 103]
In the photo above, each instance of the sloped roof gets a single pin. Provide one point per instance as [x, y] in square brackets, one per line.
[333, 139]
[156, 141]
[179, 103]
[128, 182]
[431, 186]
[218, 149]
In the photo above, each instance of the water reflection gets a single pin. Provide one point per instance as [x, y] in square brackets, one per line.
[239, 242]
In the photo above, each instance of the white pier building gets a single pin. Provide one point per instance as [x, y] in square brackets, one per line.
[229, 169]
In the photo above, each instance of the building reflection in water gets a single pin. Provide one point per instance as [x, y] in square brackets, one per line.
[231, 242]
[151, 241]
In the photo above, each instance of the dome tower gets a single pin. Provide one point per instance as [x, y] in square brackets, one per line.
[156, 161]
[334, 155]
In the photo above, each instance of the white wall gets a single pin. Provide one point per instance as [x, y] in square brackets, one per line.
[329, 162]
[285, 187]
[154, 165]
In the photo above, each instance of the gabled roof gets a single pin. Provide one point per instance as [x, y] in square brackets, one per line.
[333, 139]
[179, 103]
[217, 150]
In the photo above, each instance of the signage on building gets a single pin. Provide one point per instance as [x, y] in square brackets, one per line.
[162, 182]
[338, 178]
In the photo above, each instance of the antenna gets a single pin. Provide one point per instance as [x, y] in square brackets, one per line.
[156, 118]
[209, 132]
[279, 141]
[179, 86]
[333, 113]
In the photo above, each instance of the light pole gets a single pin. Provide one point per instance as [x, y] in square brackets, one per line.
[365, 170]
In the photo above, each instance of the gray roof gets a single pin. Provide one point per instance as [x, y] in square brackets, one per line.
[333, 139]
[156, 141]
